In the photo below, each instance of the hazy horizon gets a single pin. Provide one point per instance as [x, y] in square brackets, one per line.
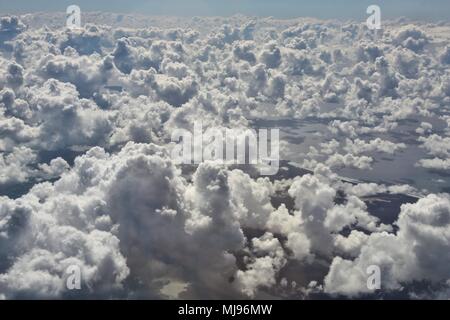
[325, 9]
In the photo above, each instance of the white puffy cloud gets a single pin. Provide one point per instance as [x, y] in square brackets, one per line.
[86, 73]
[411, 37]
[425, 128]
[352, 244]
[377, 145]
[349, 160]
[10, 27]
[14, 166]
[436, 145]
[313, 199]
[435, 163]
[416, 253]
[262, 269]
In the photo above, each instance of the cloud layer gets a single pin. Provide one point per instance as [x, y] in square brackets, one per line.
[86, 117]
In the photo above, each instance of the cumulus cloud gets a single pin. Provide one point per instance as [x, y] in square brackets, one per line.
[348, 160]
[262, 269]
[14, 166]
[435, 163]
[411, 37]
[358, 146]
[10, 27]
[401, 257]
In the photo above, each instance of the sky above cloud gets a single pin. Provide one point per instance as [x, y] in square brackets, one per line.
[326, 9]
